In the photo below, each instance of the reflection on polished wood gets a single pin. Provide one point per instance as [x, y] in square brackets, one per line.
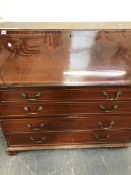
[70, 57]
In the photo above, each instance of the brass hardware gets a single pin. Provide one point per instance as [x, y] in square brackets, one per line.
[102, 138]
[109, 110]
[27, 109]
[41, 126]
[106, 127]
[38, 141]
[112, 98]
[36, 96]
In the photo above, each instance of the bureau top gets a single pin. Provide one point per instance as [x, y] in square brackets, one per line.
[65, 57]
[65, 25]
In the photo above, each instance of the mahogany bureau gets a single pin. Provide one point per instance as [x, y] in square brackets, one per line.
[65, 88]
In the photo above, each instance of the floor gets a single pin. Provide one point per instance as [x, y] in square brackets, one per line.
[66, 162]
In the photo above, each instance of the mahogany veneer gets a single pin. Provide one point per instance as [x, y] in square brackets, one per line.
[65, 88]
[76, 123]
[62, 94]
[68, 138]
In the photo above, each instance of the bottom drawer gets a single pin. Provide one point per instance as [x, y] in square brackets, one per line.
[65, 138]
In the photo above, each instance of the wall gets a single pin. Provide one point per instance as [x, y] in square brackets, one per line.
[65, 10]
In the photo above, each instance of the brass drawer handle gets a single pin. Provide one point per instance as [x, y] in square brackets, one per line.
[106, 127]
[102, 138]
[41, 126]
[109, 110]
[37, 141]
[27, 109]
[26, 96]
[112, 98]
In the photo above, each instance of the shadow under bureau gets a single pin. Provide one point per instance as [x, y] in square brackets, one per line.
[65, 88]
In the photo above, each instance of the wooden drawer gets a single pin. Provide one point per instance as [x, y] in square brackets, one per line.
[64, 108]
[33, 109]
[68, 138]
[41, 94]
[102, 107]
[32, 95]
[101, 94]
[66, 124]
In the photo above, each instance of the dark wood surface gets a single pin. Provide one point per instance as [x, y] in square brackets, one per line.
[66, 124]
[65, 108]
[65, 57]
[69, 138]
[64, 94]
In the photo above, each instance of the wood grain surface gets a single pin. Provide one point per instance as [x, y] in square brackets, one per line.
[65, 57]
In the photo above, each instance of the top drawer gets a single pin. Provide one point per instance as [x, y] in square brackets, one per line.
[62, 94]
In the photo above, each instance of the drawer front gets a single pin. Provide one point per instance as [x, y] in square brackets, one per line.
[34, 95]
[40, 94]
[68, 138]
[101, 108]
[101, 94]
[66, 124]
[65, 108]
[33, 109]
